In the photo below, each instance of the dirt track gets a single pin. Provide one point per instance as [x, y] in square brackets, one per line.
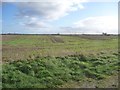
[56, 39]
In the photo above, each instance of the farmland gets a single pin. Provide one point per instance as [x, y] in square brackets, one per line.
[59, 61]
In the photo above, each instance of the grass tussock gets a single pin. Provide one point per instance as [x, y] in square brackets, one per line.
[53, 72]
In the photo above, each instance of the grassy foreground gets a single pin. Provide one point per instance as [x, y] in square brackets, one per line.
[51, 72]
[55, 61]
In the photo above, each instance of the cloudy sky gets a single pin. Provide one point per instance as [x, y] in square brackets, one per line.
[59, 16]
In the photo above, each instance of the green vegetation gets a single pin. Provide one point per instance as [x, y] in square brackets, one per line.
[51, 72]
[17, 47]
[52, 61]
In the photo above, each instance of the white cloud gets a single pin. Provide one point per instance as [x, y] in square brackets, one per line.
[8, 0]
[40, 0]
[104, 0]
[108, 24]
[46, 11]
[33, 23]
[57, 0]
[37, 13]
[49, 10]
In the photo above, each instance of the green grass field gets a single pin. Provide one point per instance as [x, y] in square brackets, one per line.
[59, 61]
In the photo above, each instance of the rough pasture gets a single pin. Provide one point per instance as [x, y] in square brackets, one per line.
[60, 61]
[98, 37]
[15, 47]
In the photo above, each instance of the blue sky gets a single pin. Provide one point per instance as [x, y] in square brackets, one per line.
[63, 17]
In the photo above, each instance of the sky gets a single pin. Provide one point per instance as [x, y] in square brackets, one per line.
[55, 16]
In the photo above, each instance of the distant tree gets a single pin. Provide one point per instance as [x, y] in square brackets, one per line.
[58, 33]
[104, 33]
